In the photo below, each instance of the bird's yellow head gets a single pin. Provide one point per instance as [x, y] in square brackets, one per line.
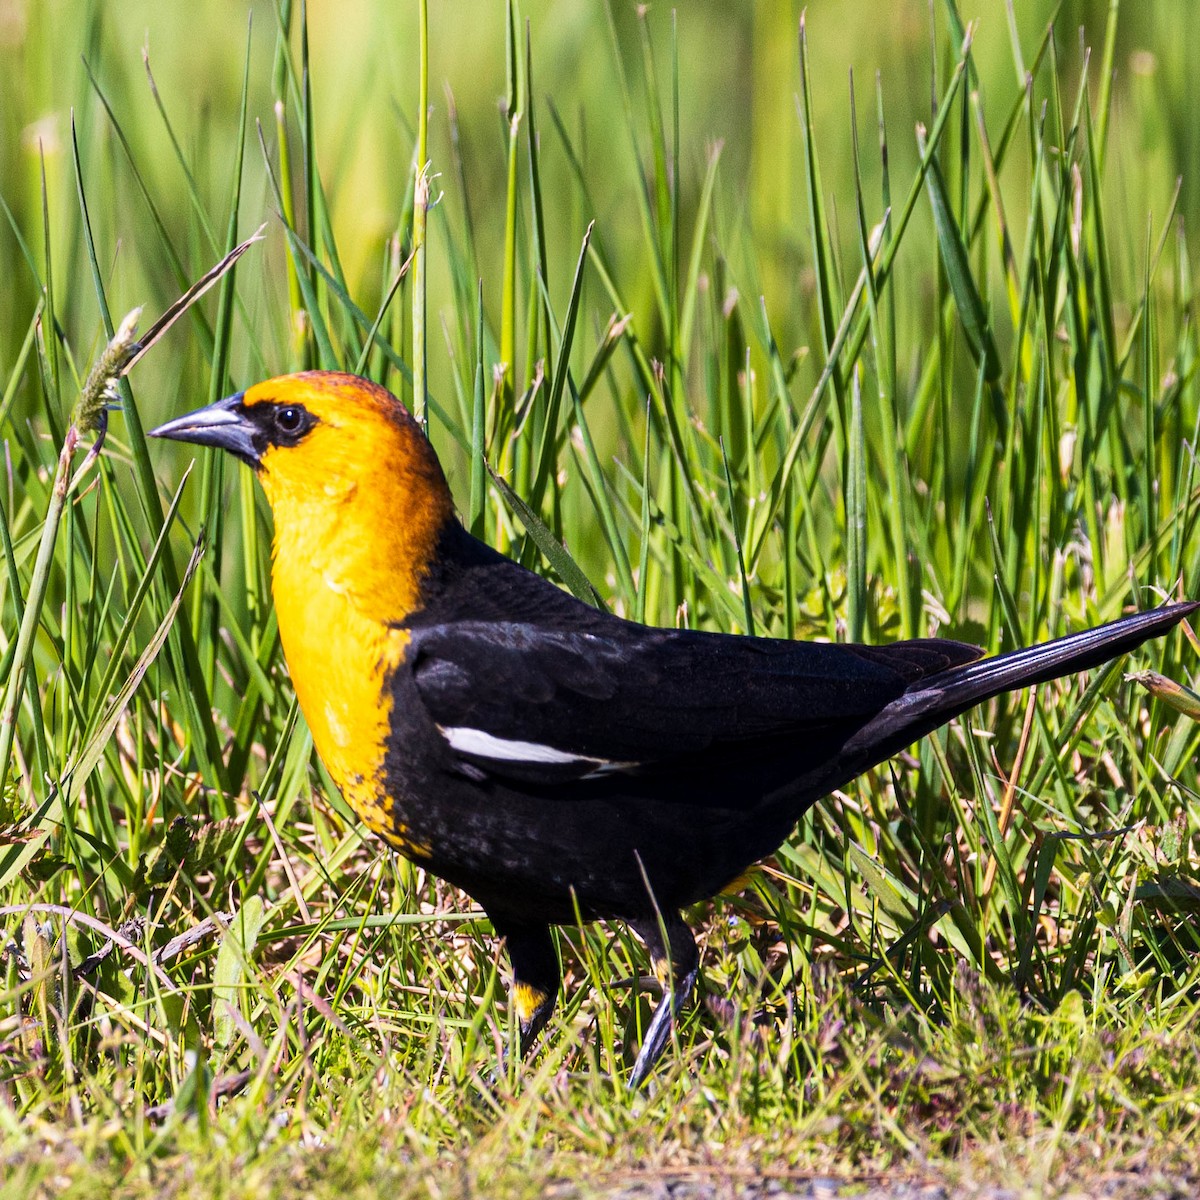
[357, 493]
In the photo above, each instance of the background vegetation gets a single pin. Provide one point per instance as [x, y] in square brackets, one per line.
[882, 331]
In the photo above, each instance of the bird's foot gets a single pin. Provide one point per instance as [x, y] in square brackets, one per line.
[661, 1025]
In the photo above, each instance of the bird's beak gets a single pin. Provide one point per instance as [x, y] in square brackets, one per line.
[224, 425]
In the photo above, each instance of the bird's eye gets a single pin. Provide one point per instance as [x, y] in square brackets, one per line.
[289, 419]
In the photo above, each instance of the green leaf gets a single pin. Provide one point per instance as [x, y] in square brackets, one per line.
[892, 896]
[232, 972]
[567, 569]
[971, 311]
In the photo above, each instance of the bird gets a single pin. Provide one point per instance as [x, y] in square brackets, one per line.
[557, 762]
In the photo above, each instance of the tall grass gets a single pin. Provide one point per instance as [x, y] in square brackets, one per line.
[920, 381]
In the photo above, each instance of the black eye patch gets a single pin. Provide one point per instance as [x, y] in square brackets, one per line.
[279, 424]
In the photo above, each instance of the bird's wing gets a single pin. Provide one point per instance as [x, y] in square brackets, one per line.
[544, 704]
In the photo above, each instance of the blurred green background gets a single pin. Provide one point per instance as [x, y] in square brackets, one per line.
[738, 80]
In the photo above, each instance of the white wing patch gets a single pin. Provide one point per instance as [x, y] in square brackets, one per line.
[480, 744]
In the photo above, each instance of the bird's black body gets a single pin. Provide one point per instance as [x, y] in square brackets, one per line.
[685, 756]
[693, 754]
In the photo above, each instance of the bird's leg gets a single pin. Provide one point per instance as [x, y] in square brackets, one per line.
[676, 962]
[535, 976]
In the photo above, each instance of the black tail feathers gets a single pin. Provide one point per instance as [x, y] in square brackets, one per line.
[962, 687]
[939, 698]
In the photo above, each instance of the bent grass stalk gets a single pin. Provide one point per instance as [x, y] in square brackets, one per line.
[89, 416]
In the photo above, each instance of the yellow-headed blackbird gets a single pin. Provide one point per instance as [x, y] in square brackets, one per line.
[550, 759]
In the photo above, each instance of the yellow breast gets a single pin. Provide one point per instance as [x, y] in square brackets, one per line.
[340, 662]
[338, 608]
